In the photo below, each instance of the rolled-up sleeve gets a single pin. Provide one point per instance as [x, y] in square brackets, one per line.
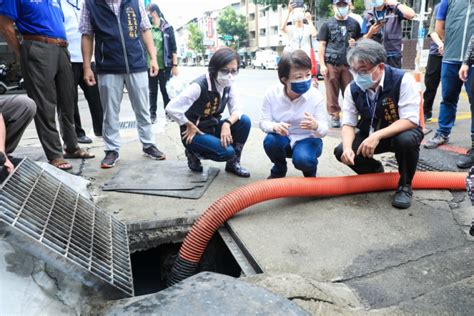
[233, 104]
[179, 105]
[266, 122]
[145, 21]
[350, 114]
[409, 101]
[85, 26]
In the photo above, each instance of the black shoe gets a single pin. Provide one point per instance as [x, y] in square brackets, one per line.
[153, 152]
[335, 123]
[194, 163]
[110, 159]
[276, 176]
[466, 161]
[402, 198]
[234, 167]
[84, 140]
[428, 117]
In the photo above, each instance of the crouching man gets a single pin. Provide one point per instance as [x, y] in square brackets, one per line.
[380, 114]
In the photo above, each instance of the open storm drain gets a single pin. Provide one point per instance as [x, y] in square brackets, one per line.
[52, 221]
[421, 166]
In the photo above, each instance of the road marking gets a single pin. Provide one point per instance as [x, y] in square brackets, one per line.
[460, 117]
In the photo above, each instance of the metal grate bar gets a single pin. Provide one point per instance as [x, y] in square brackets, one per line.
[59, 225]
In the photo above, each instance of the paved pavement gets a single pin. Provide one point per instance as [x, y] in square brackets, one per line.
[388, 260]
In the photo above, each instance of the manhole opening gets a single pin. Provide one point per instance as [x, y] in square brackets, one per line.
[152, 268]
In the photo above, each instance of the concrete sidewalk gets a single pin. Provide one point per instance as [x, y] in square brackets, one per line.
[351, 254]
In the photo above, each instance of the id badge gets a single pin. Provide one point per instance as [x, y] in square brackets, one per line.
[371, 131]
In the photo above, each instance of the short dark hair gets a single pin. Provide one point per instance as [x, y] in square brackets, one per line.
[297, 59]
[220, 58]
[367, 51]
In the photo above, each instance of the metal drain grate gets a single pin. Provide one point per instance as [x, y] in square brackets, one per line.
[421, 166]
[57, 224]
[128, 124]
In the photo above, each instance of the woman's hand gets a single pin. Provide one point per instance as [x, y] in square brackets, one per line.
[226, 136]
[281, 128]
[190, 132]
[309, 122]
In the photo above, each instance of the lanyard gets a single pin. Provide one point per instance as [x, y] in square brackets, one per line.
[372, 106]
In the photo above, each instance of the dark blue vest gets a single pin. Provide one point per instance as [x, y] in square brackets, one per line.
[386, 111]
[118, 45]
[207, 109]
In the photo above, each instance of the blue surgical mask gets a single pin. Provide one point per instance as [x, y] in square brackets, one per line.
[364, 81]
[300, 86]
[377, 3]
[342, 11]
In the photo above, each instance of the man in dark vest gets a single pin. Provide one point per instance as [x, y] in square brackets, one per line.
[121, 29]
[388, 102]
[383, 23]
[335, 37]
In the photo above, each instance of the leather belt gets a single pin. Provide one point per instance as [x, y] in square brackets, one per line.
[44, 39]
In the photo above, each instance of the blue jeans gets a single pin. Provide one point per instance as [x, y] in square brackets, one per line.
[451, 88]
[304, 153]
[208, 146]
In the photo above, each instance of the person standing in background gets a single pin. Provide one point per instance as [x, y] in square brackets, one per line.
[433, 68]
[166, 56]
[72, 13]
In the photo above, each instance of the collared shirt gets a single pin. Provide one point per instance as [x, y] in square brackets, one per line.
[408, 103]
[72, 12]
[179, 105]
[85, 26]
[36, 17]
[278, 107]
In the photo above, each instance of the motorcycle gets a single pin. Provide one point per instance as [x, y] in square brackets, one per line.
[8, 83]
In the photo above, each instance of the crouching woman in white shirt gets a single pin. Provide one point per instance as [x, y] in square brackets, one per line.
[198, 111]
[294, 118]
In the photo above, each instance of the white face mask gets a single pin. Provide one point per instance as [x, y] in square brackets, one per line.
[298, 15]
[225, 80]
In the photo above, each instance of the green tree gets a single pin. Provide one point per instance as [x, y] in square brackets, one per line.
[232, 27]
[195, 39]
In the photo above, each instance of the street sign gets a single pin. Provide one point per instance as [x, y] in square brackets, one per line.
[208, 42]
[227, 37]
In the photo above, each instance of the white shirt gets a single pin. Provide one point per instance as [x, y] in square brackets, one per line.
[178, 106]
[408, 103]
[277, 107]
[299, 38]
[72, 14]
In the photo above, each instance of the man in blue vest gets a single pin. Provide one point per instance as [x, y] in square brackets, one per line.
[387, 101]
[47, 72]
[383, 23]
[455, 25]
[120, 29]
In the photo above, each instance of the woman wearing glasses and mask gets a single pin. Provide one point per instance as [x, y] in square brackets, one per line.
[198, 111]
[294, 118]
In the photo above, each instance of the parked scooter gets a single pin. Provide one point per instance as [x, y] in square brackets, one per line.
[6, 83]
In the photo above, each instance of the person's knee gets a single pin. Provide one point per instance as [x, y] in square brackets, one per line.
[305, 162]
[338, 152]
[226, 154]
[271, 141]
[407, 139]
[27, 105]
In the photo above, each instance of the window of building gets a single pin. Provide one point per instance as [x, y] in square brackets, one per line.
[263, 32]
[274, 30]
[251, 16]
[252, 35]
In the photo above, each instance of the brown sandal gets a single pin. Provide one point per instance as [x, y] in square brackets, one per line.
[79, 154]
[61, 164]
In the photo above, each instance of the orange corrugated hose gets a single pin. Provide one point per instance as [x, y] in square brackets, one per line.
[230, 204]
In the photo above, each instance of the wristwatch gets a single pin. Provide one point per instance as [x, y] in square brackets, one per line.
[175, 65]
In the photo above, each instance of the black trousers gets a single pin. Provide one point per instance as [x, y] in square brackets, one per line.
[395, 61]
[162, 78]
[49, 81]
[405, 145]
[17, 113]
[432, 80]
[93, 100]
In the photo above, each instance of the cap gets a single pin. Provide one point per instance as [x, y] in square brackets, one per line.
[337, 1]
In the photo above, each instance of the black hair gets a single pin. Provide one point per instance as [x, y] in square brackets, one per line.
[220, 59]
[296, 59]
[153, 7]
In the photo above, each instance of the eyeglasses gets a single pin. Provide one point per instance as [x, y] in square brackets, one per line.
[226, 71]
[363, 72]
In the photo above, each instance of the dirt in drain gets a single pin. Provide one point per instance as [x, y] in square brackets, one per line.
[151, 268]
